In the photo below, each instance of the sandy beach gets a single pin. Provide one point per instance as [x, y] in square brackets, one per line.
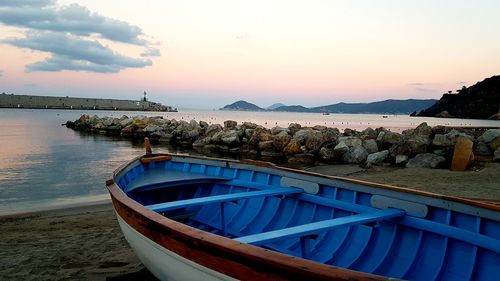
[85, 242]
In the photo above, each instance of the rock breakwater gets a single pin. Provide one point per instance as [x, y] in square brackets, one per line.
[423, 146]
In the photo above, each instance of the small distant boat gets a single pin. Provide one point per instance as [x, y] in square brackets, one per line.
[196, 218]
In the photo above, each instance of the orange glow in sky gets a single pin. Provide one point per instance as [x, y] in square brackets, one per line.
[294, 52]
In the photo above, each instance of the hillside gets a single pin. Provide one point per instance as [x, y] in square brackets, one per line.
[379, 107]
[480, 101]
[274, 106]
[242, 106]
[293, 108]
[382, 107]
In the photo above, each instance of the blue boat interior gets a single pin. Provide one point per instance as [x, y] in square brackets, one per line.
[332, 222]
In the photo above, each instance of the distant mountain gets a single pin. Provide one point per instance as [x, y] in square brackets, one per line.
[480, 101]
[242, 106]
[379, 107]
[274, 106]
[293, 108]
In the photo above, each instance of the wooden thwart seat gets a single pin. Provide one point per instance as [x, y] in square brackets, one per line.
[162, 207]
[320, 226]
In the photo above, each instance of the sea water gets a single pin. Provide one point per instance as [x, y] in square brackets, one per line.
[45, 164]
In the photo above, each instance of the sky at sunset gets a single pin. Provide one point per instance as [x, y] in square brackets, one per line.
[206, 54]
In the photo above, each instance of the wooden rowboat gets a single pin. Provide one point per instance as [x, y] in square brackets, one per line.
[196, 218]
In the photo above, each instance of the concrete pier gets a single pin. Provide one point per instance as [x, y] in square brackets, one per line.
[47, 102]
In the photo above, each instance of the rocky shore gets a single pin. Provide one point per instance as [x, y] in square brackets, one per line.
[423, 146]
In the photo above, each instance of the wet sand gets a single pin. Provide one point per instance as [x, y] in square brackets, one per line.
[85, 242]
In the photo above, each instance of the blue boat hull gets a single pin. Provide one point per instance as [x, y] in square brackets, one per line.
[324, 222]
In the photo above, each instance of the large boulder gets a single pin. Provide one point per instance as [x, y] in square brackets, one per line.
[370, 145]
[280, 140]
[129, 130]
[212, 129]
[190, 135]
[368, 133]
[495, 144]
[350, 132]
[326, 154]
[230, 124]
[193, 124]
[260, 134]
[300, 135]
[249, 125]
[313, 140]
[350, 141]
[230, 137]
[390, 138]
[489, 136]
[330, 135]
[203, 124]
[201, 142]
[266, 145]
[355, 155]
[377, 157]
[340, 149]
[482, 149]
[276, 130]
[401, 160]
[150, 129]
[423, 129]
[292, 148]
[450, 138]
[294, 127]
[418, 143]
[425, 160]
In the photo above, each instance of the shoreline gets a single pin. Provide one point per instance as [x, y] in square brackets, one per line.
[48, 209]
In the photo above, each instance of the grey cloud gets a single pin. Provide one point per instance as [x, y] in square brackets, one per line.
[151, 52]
[73, 53]
[58, 63]
[1, 73]
[415, 84]
[24, 3]
[64, 33]
[74, 19]
[462, 83]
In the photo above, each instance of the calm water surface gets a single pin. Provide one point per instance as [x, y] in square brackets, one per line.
[45, 164]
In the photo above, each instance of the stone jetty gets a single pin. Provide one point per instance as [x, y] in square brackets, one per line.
[423, 146]
[47, 102]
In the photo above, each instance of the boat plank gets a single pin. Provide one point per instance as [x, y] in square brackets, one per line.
[164, 178]
[315, 227]
[167, 206]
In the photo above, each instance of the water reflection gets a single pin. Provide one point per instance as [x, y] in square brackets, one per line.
[43, 163]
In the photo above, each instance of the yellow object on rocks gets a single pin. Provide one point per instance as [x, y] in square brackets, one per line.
[462, 155]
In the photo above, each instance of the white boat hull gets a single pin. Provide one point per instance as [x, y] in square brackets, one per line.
[165, 264]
